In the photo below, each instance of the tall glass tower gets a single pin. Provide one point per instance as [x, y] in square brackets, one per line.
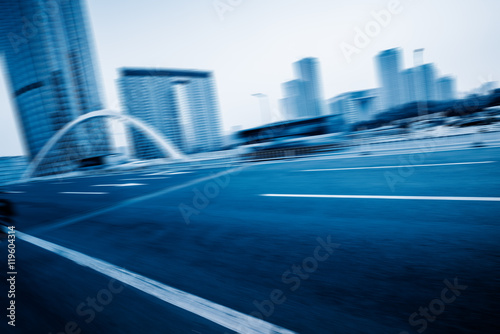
[181, 105]
[446, 89]
[307, 71]
[49, 60]
[389, 68]
[425, 83]
[295, 102]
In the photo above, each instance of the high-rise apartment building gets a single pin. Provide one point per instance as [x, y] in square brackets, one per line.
[446, 89]
[425, 83]
[303, 97]
[409, 93]
[419, 84]
[389, 64]
[294, 102]
[307, 70]
[180, 105]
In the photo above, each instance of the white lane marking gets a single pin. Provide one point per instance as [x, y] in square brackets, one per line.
[146, 178]
[224, 316]
[400, 166]
[120, 185]
[13, 192]
[156, 174]
[424, 198]
[167, 173]
[83, 193]
[79, 218]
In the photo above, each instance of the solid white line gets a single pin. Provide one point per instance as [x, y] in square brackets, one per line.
[119, 185]
[14, 192]
[400, 166]
[425, 198]
[224, 316]
[83, 193]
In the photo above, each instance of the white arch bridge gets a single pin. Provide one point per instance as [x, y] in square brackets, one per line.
[163, 143]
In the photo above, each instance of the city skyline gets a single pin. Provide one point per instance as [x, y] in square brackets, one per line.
[230, 39]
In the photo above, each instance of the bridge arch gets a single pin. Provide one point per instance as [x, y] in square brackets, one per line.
[165, 144]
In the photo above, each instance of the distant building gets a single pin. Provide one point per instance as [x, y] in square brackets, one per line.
[389, 67]
[357, 106]
[265, 108]
[12, 168]
[181, 105]
[425, 82]
[446, 89]
[303, 97]
[419, 84]
[294, 102]
[53, 80]
[408, 85]
[307, 70]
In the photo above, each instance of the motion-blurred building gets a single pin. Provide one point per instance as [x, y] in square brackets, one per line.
[357, 106]
[180, 105]
[12, 168]
[420, 84]
[389, 64]
[49, 58]
[303, 96]
[446, 89]
[425, 83]
[294, 102]
[408, 84]
[307, 70]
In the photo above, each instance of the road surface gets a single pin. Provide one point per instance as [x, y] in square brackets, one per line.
[404, 243]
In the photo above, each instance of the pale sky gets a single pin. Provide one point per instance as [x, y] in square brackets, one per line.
[251, 50]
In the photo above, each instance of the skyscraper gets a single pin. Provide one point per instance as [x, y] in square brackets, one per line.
[409, 93]
[181, 105]
[294, 102]
[389, 67]
[425, 82]
[446, 89]
[307, 70]
[49, 56]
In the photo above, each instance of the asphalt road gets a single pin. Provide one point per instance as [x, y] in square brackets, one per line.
[368, 244]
